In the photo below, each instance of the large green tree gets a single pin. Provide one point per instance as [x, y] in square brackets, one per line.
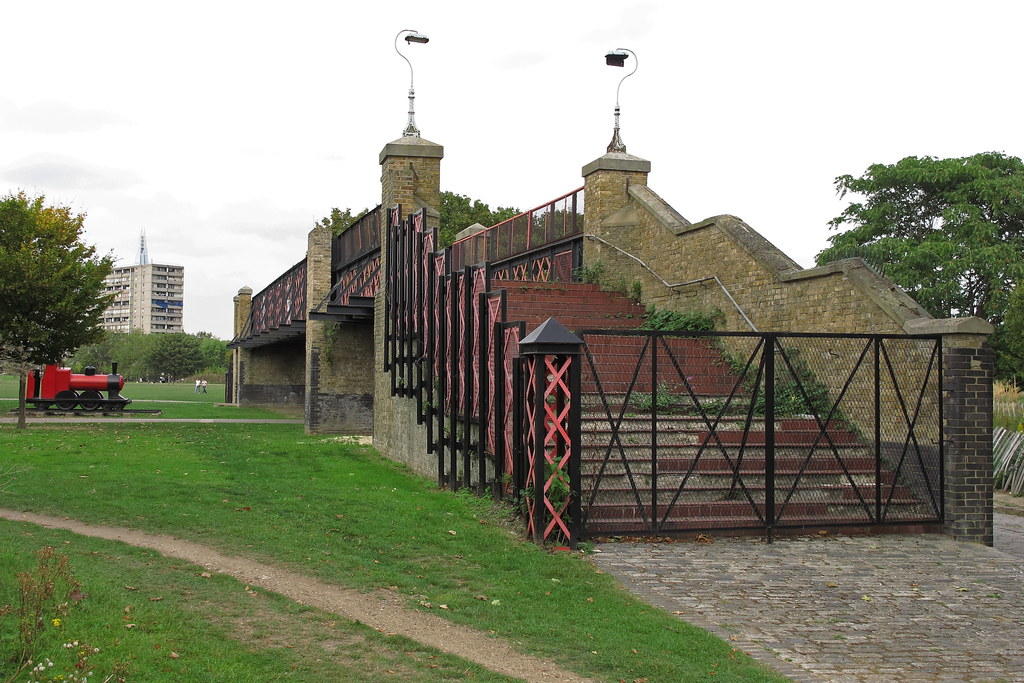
[175, 355]
[51, 285]
[949, 231]
[459, 212]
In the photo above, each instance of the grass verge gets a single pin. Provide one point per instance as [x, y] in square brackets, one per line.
[341, 513]
[142, 617]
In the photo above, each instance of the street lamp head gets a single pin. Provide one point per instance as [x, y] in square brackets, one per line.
[412, 36]
[618, 57]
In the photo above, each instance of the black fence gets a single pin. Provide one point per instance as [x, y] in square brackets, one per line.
[718, 431]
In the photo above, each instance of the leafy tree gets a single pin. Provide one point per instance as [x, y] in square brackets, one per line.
[215, 354]
[175, 355]
[339, 221]
[130, 351]
[459, 212]
[949, 231]
[1008, 340]
[51, 285]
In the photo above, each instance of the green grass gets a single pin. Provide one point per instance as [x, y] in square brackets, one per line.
[341, 513]
[178, 401]
[163, 620]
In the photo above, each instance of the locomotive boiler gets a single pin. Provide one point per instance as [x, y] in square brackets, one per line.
[60, 387]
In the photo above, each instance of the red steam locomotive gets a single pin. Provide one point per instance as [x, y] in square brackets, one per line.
[59, 386]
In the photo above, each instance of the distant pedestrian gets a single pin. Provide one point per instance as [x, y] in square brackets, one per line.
[198, 385]
[204, 386]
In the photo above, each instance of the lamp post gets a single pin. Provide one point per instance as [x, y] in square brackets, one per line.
[413, 36]
[618, 57]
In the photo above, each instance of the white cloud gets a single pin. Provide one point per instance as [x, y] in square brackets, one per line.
[49, 171]
[54, 117]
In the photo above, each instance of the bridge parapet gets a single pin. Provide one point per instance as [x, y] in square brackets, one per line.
[278, 312]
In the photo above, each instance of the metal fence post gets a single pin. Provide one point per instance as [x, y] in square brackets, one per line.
[552, 355]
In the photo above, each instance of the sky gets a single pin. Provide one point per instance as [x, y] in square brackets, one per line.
[225, 129]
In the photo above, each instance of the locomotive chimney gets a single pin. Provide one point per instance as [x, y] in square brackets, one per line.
[113, 368]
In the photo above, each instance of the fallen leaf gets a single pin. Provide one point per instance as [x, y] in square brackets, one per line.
[866, 598]
[129, 588]
[452, 532]
[129, 625]
[832, 584]
[175, 655]
[206, 575]
[481, 597]
[157, 598]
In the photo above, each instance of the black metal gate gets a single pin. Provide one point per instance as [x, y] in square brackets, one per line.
[731, 431]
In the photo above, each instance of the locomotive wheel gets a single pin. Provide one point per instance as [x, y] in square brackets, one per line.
[90, 400]
[66, 400]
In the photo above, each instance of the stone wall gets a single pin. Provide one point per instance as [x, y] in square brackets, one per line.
[272, 375]
[338, 374]
[699, 266]
[410, 178]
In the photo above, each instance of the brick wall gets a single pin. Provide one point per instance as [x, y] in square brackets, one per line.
[411, 178]
[273, 375]
[338, 374]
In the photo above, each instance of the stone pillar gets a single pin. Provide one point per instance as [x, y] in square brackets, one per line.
[410, 178]
[606, 182]
[607, 206]
[967, 367]
[243, 305]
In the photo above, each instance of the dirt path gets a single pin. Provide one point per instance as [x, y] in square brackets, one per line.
[383, 610]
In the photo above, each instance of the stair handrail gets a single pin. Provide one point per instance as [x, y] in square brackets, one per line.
[678, 284]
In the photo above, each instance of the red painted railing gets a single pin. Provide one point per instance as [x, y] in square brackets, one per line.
[551, 222]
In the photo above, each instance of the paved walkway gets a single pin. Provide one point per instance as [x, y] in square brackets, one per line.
[867, 608]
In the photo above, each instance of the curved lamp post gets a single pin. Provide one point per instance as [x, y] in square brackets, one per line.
[413, 36]
[618, 57]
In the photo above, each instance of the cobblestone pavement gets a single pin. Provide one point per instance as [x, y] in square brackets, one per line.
[863, 608]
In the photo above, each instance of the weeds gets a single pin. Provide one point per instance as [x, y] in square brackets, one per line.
[45, 596]
[674, 321]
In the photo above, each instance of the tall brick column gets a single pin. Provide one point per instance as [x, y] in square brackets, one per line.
[338, 373]
[410, 178]
[967, 366]
[606, 205]
[243, 305]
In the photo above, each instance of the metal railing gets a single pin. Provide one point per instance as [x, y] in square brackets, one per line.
[551, 222]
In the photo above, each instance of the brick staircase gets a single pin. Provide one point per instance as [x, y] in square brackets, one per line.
[820, 478]
[576, 306]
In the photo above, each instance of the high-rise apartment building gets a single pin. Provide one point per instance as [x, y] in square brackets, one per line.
[148, 297]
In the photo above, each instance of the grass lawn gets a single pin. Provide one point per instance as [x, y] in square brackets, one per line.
[177, 400]
[329, 509]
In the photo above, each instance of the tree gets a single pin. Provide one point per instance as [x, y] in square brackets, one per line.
[459, 212]
[215, 354]
[175, 355]
[339, 221]
[949, 231]
[51, 285]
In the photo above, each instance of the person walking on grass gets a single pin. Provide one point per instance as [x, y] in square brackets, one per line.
[204, 386]
[198, 385]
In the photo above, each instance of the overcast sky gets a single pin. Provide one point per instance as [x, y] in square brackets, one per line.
[226, 129]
